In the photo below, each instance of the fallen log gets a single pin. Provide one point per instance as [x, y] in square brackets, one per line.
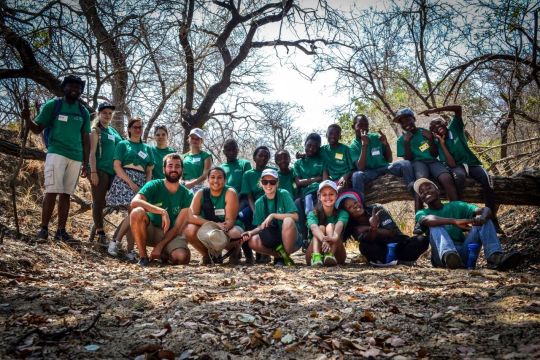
[520, 189]
[9, 148]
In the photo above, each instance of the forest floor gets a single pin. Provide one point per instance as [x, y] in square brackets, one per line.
[63, 302]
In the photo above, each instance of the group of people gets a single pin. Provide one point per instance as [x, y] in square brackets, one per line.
[317, 204]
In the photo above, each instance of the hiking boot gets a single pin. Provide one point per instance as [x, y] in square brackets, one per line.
[62, 235]
[502, 262]
[279, 262]
[144, 261]
[262, 258]
[452, 260]
[316, 260]
[43, 233]
[329, 259]
[112, 249]
[131, 256]
[102, 239]
[234, 258]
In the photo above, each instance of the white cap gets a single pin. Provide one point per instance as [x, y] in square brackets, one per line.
[421, 181]
[270, 172]
[327, 183]
[197, 132]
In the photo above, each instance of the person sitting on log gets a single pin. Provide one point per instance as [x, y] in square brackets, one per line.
[374, 228]
[372, 156]
[445, 222]
[456, 154]
[418, 146]
[338, 164]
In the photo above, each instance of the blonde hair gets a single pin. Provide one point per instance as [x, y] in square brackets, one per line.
[96, 123]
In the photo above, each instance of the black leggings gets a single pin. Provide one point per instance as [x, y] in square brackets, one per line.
[408, 248]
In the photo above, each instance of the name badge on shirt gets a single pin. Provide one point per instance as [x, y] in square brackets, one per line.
[111, 137]
[63, 118]
[219, 212]
[450, 135]
[195, 160]
[339, 156]
[375, 152]
[424, 147]
[142, 155]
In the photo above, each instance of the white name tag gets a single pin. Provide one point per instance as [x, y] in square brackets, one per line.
[63, 118]
[195, 160]
[219, 212]
[375, 152]
[386, 222]
[142, 154]
[450, 135]
[111, 137]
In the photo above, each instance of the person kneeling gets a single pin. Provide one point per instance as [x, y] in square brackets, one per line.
[445, 224]
[159, 213]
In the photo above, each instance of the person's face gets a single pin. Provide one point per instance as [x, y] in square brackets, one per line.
[136, 129]
[173, 170]
[216, 180]
[269, 184]
[428, 193]
[438, 127]
[282, 161]
[353, 207]
[72, 90]
[195, 141]
[231, 152]
[328, 197]
[408, 123]
[105, 116]
[333, 135]
[161, 137]
[261, 158]
[311, 148]
[360, 126]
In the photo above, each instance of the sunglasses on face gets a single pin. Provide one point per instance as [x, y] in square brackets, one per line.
[269, 182]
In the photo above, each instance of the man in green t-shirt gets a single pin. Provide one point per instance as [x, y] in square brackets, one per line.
[338, 165]
[160, 212]
[445, 224]
[68, 128]
[372, 156]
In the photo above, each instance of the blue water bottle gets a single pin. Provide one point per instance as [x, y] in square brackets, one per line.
[391, 252]
[474, 250]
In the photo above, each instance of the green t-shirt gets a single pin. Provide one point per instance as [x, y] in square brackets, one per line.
[451, 210]
[285, 205]
[234, 172]
[157, 194]
[129, 152]
[159, 154]
[219, 206]
[65, 136]
[286, 182]
[456, 143]
[376, 151]
[419, 146]
[194, 164]
[312, 218]
[337, 161]
[307, 168]
[108, 139]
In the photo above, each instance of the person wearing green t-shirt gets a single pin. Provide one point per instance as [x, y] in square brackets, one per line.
[217, 203]
[445, 223]
[275, 216]
[326, 224]
[454, 151]
[338, 165]
[162, 148]
[418, 146]
[103, 140]
[282, 158]
[67, 123]
[160, 213]
[197, 162]
[372, 156]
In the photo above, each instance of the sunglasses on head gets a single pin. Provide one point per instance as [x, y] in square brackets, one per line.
[269, 182]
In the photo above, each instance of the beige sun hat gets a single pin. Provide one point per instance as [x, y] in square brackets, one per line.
[215, 239]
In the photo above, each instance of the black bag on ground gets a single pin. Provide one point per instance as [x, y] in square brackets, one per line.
[271, 235]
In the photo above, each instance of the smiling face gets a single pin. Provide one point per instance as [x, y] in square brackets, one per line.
[216, 180]
[269, 184]
[283, 160]
[312, 148]
[105, 116]
[261, 158]
[328, 197]
[361, 125]
[135, 130]
[428, 193]
[231, 151]
[333, 134]
[437, 126]
[408, 123]
[173, 170]
[353, 208]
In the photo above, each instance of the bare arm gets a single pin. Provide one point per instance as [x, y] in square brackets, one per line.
[200, 179]
[94, 138]
[456, 109]
[195, 210]
[231, 209]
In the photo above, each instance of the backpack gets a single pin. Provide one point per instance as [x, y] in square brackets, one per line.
[208, 207]
[56, 111]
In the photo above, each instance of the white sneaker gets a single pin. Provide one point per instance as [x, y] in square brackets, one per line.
[113, 248]
[131, 256]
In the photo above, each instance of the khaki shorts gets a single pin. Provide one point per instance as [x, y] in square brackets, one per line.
[155, 235]
[61, 174]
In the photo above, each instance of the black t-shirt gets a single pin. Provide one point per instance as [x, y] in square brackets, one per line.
[385, 221]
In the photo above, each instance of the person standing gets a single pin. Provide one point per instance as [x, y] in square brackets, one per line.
[197, 162]
[162, 148]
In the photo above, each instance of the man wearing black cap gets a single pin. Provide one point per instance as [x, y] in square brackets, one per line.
[68, 124]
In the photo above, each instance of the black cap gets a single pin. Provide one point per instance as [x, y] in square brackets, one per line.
[73, 79]
[105, 105]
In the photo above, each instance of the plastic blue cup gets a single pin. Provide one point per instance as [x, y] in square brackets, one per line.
[474, 251]
[390, 252]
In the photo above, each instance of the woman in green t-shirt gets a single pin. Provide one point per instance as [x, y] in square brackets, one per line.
[162, 148]
[197, 162]
[103, 140]
[217, 203]
[326, 225]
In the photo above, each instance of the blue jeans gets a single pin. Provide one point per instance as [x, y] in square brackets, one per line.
[441, 243]
[401, 168]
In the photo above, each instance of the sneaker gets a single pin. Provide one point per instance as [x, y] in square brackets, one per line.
[502, 262]
[43, 233]
[286, 258]
[62, 235]
[452, 260]
[316, 260]
[144, 261]
[102, 239]
[113, 248]
[279, 262]
[329, 259]
[131, 256]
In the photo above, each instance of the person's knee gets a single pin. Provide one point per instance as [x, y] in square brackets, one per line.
[288, 223]
[446, 179]
[137, 215]
[190, 232]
